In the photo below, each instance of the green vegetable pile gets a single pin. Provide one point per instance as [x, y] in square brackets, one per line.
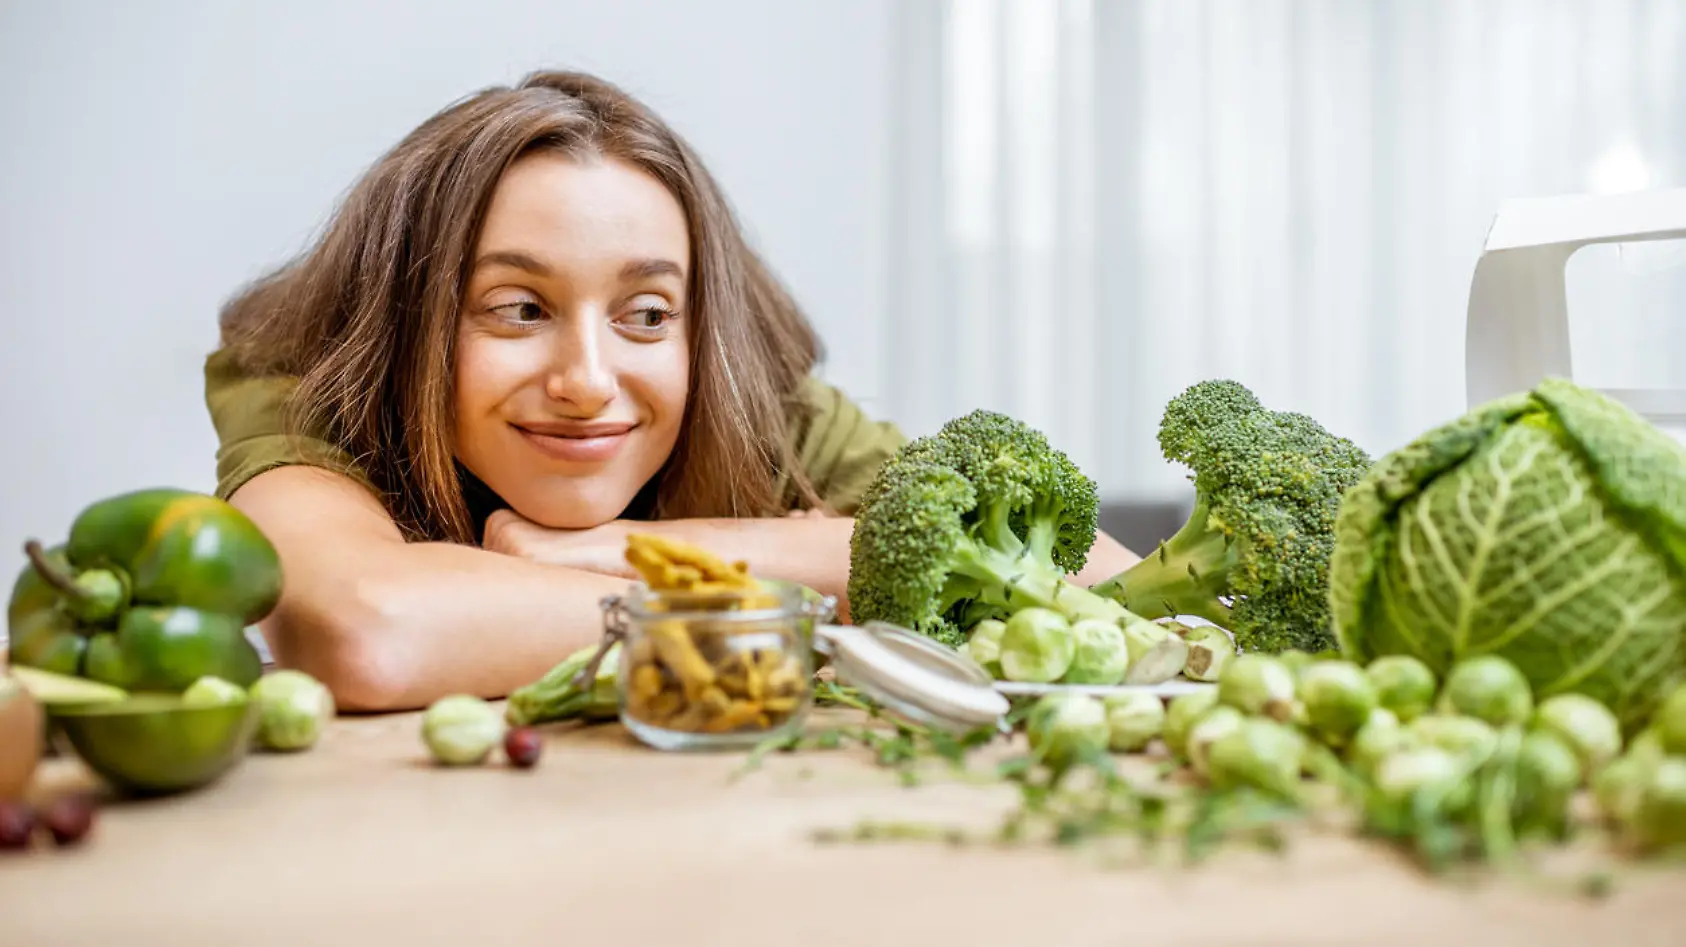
[1449, 646]
[970, 536]
[1459, 771]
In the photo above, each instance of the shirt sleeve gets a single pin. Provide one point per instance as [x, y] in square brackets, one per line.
[248, 414]
[840, 448]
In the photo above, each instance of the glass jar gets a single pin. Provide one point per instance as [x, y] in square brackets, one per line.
[701, 671]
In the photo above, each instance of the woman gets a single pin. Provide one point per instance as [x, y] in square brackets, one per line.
[532, 327]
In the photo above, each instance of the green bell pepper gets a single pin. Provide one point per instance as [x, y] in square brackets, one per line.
[151, 591]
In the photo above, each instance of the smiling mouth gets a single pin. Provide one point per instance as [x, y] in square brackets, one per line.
[577, 443]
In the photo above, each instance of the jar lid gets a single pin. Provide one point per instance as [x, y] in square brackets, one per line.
[913, 676]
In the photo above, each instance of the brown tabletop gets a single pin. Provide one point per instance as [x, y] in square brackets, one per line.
[361, 841]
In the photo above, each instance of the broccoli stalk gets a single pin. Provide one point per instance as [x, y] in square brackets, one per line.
[1187, 575]
[1253, 556]
[996, 568]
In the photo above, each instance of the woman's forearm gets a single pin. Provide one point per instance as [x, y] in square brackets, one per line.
[457, 618]
[441, 618]
[391, 625]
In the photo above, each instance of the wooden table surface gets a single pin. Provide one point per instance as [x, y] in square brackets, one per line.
[361, 841]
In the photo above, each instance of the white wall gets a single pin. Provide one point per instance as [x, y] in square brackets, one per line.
[154, 156]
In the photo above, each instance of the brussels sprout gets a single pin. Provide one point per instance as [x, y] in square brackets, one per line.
[1209, 652]
[1181, 716]
[984, 645]
[1670, 722]
[1338, 698]
[1100, 656]
[461, 729]
[1296, 661]
[1461, 736]
[1036, 646]
[1619, 786]
[1260, 753]
[1065, 728]
[1258, 684]
[293, 710]
[1659, 822]
[1156, 655]
[1588, 726]
[1648, 746]
[1402, 774]
[1547, 774]
[1381, 736]
[1133, 719]
[211, 691]
[1489, 688]
[1404, 685]
[1211, 726]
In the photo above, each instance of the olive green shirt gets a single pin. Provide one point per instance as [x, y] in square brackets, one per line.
[838, 446]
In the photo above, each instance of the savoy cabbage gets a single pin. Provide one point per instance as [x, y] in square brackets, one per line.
[1548, 527]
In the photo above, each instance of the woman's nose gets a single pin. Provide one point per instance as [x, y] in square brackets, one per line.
[581, 374]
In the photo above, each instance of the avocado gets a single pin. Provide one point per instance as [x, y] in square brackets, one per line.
[55, 691]
[153, 744]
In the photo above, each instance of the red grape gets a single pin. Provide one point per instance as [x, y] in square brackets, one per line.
[69, 819]
[522, 745]
[17, 824]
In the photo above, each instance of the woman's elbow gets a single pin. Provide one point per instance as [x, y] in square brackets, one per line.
[360, 678]
[350, 647]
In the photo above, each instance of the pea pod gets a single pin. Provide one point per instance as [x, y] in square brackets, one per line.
[151, 591]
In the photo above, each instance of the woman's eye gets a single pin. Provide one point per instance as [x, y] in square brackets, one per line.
[651, 318]
[524, 311]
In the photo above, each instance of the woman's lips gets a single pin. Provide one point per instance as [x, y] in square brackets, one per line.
[577, 444]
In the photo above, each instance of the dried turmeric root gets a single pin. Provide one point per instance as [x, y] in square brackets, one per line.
[686, 673]
[668, 565]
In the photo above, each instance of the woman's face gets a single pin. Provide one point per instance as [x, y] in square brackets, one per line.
[573, 350]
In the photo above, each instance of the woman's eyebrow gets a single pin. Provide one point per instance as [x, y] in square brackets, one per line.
[515, 258]
[632, 270]
[646, 269]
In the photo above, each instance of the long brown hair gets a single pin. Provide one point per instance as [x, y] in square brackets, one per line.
[366, 317]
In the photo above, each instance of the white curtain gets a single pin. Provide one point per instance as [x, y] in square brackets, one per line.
[1097, 203]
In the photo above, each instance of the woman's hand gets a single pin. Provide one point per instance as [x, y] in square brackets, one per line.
[600, 549]
[810, 548]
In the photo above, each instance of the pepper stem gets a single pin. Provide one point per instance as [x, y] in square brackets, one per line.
[92, 596]
[51, 574]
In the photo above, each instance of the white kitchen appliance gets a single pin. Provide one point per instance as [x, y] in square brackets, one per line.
[1518, 321]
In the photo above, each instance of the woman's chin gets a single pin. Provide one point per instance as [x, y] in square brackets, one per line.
[578, 510]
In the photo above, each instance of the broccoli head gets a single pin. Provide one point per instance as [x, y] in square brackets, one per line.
[976, 521]
[1254, 554]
